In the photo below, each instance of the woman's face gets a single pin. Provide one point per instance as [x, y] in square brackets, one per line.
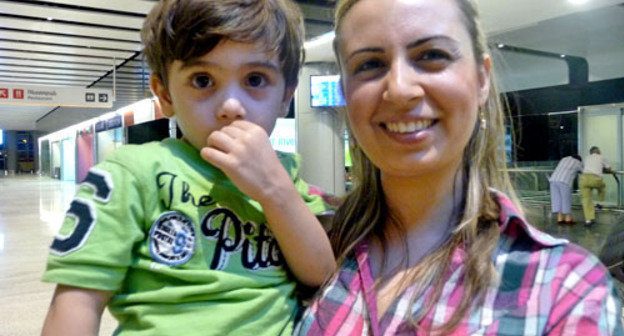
[411, 83]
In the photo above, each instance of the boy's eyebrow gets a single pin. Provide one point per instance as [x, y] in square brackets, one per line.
[199, 62]
[409, 46]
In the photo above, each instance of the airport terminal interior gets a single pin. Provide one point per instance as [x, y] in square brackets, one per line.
[74, 86]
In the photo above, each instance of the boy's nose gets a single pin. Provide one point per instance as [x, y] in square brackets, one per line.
[231, 109]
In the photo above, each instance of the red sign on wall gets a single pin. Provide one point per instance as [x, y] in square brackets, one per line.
[4, 93]
[18, 94]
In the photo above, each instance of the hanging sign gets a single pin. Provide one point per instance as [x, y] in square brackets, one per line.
[100, 126]
[14, 94]
[113, 122]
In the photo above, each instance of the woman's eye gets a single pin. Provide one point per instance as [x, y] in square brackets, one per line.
[369, 65]
[435, 55]
[202, 81]
[257, 80]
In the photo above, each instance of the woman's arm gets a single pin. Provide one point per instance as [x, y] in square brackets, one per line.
[75, 312]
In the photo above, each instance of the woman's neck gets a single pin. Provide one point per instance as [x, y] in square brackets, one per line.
[424, 200]
[426, 209]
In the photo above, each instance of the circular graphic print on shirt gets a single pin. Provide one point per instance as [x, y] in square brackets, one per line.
[172, 239]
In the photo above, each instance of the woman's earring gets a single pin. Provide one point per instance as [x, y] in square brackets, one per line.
[483, 123]
[385, 96]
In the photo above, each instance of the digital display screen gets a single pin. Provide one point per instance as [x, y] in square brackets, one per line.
[1, 137]
[325, 91]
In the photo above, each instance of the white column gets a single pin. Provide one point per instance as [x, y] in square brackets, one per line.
[320, 139]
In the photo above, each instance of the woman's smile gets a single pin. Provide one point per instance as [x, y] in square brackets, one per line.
[410, 131]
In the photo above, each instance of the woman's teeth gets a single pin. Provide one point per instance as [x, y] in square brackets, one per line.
[408, 127]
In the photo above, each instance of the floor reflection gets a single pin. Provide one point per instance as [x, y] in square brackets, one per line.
[31, 212]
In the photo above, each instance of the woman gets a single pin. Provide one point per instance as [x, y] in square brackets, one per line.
[425, 242]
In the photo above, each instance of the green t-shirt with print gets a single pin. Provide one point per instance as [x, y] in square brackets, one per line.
[182, 249]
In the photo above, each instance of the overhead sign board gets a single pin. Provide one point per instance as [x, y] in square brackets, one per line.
[15, 94]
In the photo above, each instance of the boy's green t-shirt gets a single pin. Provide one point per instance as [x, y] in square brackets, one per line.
[182, 249]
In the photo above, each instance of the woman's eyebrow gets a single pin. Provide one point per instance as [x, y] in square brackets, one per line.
[365, 50]
[430, 38]
[409, 46]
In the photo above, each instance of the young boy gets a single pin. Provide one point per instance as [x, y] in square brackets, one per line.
[175, 244]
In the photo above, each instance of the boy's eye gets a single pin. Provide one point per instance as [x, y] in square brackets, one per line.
[202, 81]
[256, 80]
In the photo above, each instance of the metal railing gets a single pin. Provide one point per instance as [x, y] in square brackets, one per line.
[532, 184]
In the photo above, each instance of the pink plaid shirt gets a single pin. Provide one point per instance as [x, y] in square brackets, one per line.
[549, 287]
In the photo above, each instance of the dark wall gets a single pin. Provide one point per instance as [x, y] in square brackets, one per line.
[543, 137]
[154, 130]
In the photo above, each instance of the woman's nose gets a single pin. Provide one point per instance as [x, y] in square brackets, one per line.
[403, 84]
[231, 109]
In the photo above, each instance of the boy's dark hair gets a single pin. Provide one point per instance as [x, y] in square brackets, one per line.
[578, 157]
[186, 29]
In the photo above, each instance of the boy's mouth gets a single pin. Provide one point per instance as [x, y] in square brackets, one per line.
[409, 126]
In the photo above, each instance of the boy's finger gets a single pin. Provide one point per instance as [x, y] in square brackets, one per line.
[245, 125]
[216, 157]
[233, 131]
[221, 141]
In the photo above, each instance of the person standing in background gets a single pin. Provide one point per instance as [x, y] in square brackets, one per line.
[591, 179]
[561, 187]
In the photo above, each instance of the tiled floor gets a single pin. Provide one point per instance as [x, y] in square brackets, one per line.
[31, 210]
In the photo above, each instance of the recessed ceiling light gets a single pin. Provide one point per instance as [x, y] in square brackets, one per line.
[49, 19]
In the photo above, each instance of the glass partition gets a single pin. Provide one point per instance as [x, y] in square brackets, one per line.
[602, 126]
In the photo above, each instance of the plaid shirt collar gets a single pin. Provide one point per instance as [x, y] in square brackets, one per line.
[510, 221]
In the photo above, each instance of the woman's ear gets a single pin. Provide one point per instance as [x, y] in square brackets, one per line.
[160, 90]
[484, 79]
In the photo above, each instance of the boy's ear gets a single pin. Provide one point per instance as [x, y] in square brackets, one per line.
[160, 90]
[288, 96]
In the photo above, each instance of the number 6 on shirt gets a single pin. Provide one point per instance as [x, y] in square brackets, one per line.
[83, 212]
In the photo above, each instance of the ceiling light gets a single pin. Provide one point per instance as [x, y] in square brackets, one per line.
[49, 19]
[577, 2]
[563, 56]
[501, 46]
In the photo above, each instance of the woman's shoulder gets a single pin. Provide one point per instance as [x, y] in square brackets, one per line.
[535, 251]
[537, 262]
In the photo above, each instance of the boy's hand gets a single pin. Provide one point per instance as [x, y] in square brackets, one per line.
[244, 153]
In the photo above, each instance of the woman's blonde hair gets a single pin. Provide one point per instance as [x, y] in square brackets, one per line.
[364, 211]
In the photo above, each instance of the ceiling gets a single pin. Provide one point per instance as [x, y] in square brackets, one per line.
[79, 42]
